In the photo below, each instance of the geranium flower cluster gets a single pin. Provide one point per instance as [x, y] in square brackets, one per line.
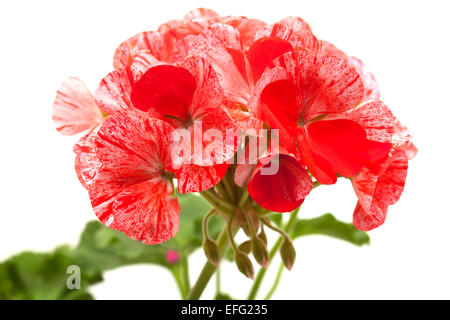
[237, 77]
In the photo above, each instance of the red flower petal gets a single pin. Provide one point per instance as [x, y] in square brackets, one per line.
[264, 51]
[130, 192]
[165, 88]
[375, 117]
[192, 178]
[86, 161]
[283, 191]
[376, 191]
[319, 167]
[74, 109]
[343, 143]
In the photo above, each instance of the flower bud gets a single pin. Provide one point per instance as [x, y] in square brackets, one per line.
[245, 247]
[287, 253]
[260, 252]
[211, 251]
[263, 237]
[244, 264]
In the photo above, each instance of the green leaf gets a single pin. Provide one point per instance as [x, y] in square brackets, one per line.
[277, 218]
[43, 275]
[328, 225]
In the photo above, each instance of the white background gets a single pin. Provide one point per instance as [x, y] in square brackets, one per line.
[404, 43]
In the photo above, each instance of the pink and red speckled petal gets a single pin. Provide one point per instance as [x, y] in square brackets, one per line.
[246, 27]
[300, 39]
[220, 45]
[371, 88]
[139, 147]
[295, 23]
[200, 13]
[283, 190]
[219, 138]
[365, 221]
[113, 92]
[329, 49]
[327, 85]
[86, 161]
[208, 93]
[130, 192]
[193, 178]
[377, 191]
[375, 117]
[74, 109]
[144, 210]
[155, 43]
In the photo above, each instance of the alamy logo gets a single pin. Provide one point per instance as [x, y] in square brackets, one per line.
[74, 280]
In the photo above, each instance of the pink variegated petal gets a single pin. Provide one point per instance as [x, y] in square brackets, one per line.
[86, 161]
[192, 178]
[130, 192]
[74, 109]
[295, 23]
[208, 93]
[365, 221]
[371, 89]
[375, 117]
[302, 39]
[113, 93]
[377, 191]
[200, 13]
[220, 45]
[216, 134]
[246, 27]
[328, 85]
[144, 211]
[157, 44]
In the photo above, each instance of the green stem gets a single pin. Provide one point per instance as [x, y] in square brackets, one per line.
[185, 274]
[221, 202]
[276, 283]
[209, 269]
[228, 188]
[177, 274]
[218, 287]
[273, 251]
[214, 204]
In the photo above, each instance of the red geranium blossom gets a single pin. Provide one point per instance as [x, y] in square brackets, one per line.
[173, 106]
[296, 94]
[180, 94]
